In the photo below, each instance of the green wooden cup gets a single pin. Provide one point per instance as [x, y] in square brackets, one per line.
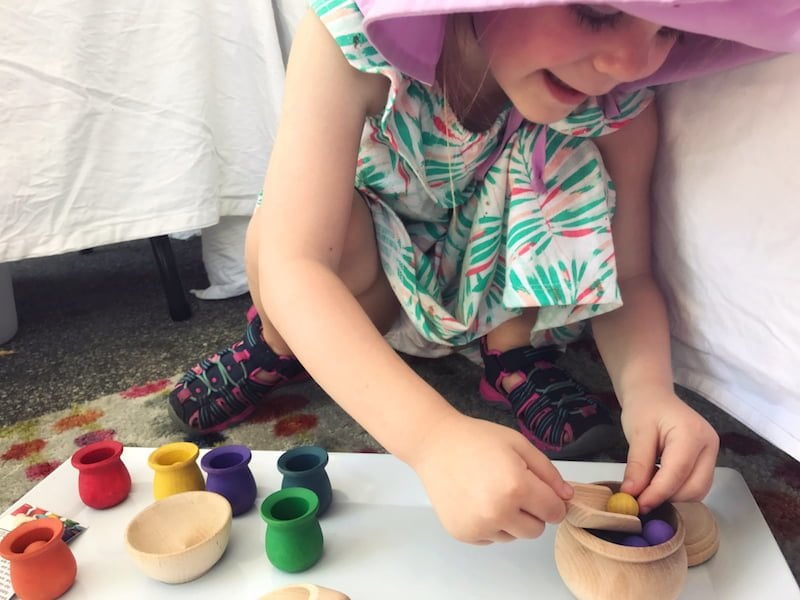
[293, 540]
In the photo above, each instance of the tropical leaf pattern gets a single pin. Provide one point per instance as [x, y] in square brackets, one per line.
[462, 254]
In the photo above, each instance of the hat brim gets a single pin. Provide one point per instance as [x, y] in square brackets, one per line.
[722, 33]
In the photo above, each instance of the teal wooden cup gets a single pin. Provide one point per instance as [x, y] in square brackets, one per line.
[304, 466]
[293, 540]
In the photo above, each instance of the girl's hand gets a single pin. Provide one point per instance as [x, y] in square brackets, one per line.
[659, 424]
[487, 483]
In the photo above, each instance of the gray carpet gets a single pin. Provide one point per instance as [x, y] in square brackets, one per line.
[95, 324]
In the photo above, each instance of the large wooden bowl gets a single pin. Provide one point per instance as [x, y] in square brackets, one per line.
[596, 569]
[180, 537]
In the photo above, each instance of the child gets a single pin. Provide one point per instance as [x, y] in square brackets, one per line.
[483, 145]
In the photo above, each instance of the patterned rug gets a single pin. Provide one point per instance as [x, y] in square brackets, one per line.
[303, 414]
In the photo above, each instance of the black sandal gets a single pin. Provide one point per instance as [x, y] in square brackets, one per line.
[555, 412]
[222, 390]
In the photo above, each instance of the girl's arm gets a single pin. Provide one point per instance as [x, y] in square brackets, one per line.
[634, 340]
[302, 224]
[485, 481]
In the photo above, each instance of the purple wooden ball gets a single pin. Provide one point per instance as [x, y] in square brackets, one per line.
[636, 541]
[657, 531]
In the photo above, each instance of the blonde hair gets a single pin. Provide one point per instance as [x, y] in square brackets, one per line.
[467, 107]
[460, 26]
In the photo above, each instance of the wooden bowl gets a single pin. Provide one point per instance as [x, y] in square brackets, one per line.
[596, 569]
[180, 537]
[304, 591]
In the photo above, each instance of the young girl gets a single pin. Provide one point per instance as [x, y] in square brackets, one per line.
[444, 179]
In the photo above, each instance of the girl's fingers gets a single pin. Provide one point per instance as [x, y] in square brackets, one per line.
[524, 527]
[642, 456]
[699, 483]
[542, 504]
[544, 472]
[677, 466]
[520, 526]
[534, 502]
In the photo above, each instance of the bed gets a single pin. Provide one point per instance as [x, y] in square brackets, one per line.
[153, 118]
[133, 120]
[727, 216]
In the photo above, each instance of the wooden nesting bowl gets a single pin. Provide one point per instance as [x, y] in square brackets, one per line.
[596, 569]
[180, 537]
[304, 591]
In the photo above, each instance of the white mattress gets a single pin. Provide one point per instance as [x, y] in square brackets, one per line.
[727, 195]
[127, 119]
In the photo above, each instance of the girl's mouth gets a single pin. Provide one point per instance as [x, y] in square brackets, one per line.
[562, 91]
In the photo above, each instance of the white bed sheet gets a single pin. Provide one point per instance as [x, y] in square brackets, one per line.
[134, 118]
[727, 197]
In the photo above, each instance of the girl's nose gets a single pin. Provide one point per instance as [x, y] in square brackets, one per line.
[633, 55]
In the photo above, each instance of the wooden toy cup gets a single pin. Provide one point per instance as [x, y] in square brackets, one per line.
[42, 566]
[596, 569]
[175, 469]
[103, 479]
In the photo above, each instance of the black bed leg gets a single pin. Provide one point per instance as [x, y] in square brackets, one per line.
[179, 308]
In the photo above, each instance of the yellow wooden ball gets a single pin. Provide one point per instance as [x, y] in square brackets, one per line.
[623, 503]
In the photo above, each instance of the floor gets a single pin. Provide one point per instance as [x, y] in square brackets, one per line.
[78, 314]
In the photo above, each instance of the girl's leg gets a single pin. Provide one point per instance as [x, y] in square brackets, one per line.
[514, 333]
[225, 389]
[360, 270]
[553, 410]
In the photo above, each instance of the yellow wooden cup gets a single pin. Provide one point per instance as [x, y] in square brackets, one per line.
[176, 469]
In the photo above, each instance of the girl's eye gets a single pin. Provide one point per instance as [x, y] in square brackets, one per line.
[602, 16]
[672, 34]
[596, 17]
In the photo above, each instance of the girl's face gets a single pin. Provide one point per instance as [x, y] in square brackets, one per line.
[548, 60]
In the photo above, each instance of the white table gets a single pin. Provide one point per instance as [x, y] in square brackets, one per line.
[383, 542]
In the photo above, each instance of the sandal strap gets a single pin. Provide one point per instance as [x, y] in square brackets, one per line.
[522, 359]
[261, 353]
[550, 400]
[237, 362]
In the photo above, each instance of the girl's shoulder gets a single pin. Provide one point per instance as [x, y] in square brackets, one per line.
[345, 22]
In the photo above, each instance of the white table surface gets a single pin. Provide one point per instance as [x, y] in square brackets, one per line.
[383, 542]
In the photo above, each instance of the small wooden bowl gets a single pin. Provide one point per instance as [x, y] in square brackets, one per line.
[180, 537]
[595, 569]
[304, 591]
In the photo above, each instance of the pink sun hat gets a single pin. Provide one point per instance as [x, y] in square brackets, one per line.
[720, 33]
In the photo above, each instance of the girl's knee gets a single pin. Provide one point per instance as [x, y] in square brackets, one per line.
[251, 262]
[360, 266]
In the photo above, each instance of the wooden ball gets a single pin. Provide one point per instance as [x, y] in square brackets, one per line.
[623, 503]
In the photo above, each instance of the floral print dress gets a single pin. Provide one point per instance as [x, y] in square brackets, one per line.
[466, 248]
